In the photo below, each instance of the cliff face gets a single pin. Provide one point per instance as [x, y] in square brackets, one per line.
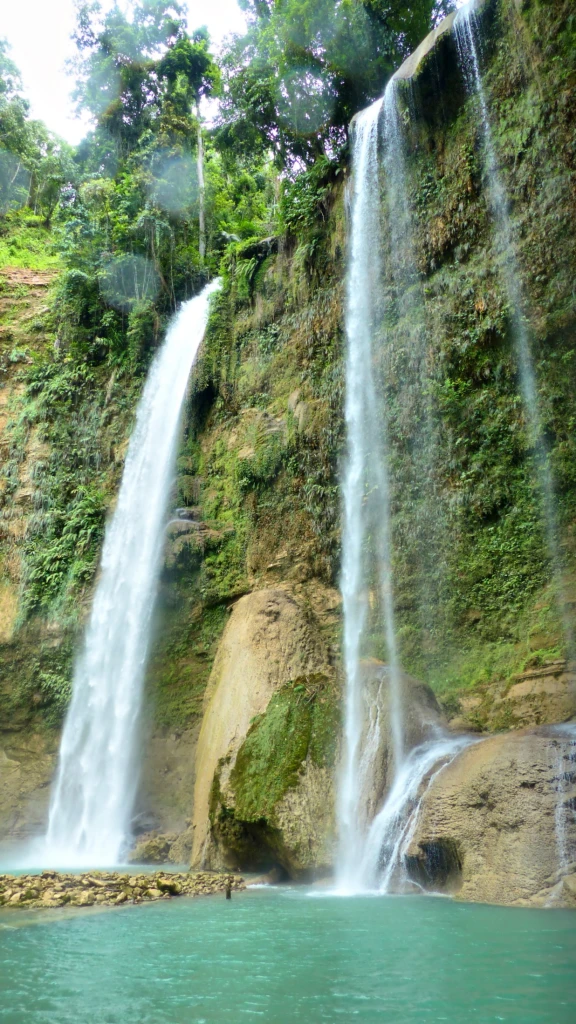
[477, 605]
[240, 740]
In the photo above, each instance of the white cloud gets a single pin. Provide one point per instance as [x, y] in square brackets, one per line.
[39, 33]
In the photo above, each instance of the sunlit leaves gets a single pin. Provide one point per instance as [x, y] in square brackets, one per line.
[305, 67]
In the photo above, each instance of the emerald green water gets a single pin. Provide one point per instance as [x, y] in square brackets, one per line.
[283, 956]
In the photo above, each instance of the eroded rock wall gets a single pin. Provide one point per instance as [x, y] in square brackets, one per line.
[256, 501]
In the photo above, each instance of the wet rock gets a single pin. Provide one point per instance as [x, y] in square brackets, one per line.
[497, 824]
[422, 720]
[154, 849]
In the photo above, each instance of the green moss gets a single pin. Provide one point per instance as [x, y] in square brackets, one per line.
[300, 722]
[35, 679]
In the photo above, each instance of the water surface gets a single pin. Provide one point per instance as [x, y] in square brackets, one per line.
[283, 956]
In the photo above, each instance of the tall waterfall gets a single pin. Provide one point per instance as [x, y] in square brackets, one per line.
[366, 501]
[371, 852]
[468, 39]
[95, 786]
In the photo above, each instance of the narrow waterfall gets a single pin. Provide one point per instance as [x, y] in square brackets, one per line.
[95, 786]
[366, 554]
[371, 850]
[390, 834]
[565, 811]
[417, 429]
[468, 40]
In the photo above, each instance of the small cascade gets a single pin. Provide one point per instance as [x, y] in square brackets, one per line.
[366, 499]
[382, 866]
[565, 811]
[95, 786]
[468, 40]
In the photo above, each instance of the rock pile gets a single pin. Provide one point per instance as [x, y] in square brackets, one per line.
[104, 888]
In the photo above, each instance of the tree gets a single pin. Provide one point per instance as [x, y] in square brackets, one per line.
[191, 74]
[34, 163]
[293, 82]
[140, 75]
[117, 80]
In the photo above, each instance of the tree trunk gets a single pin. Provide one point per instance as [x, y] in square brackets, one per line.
[201, 195]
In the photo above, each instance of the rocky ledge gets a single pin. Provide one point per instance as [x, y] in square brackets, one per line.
[103, 888]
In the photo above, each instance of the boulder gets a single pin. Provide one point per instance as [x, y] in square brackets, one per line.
[270, 648]
[497, 825]
[151, 849]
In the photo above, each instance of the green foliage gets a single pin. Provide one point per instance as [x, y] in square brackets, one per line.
[306, 200]
[305, 67]
[64, 546]
[34, 163]
[55, 691]
[26, 242]
[269, 454]
[134, 68]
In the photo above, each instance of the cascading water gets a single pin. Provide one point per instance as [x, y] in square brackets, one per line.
[94, 790]
[370, 852]
[468, 39]
[565, 813]
[366, 500]
[392, 829]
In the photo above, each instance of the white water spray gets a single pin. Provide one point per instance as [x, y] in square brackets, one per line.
[366, 500]
[565, 813]
[95, 786]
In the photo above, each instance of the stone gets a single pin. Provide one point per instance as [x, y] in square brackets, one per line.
[422, 718]
[151, 850]
[268, 642]
[169, 885]
[488, 826]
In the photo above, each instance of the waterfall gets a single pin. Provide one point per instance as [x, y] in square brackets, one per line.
[468, 40]
[565, 811]
[417, 428]
[366, 544]
[390, 834]
[95, 786]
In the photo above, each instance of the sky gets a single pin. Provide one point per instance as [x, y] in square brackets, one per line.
[39, 33]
